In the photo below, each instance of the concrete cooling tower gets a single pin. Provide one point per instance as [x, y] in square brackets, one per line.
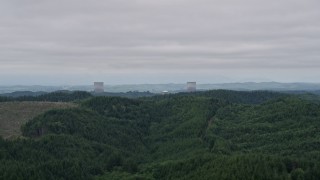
[191, 86]
[98, 87]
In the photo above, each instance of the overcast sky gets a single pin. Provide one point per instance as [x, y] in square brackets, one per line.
[53, 42]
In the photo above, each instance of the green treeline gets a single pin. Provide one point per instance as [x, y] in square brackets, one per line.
[206, 135]
[58, 96]
[66, 96]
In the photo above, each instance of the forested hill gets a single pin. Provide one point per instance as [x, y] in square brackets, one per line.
[66, 96]
[58, 96]
[206, 135]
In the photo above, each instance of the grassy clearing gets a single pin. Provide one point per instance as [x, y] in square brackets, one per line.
[15, 114]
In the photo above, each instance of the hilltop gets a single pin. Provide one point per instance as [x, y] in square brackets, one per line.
[14, 114]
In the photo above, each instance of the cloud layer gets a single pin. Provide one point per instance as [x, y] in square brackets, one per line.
[142, 40]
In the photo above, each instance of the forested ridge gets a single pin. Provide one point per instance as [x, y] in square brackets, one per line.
[65, 96]
[205, 135]
[58, 96]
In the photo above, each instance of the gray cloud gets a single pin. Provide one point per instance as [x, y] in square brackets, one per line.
[142, 38]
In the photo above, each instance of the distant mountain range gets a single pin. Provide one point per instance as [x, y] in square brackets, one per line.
[158, 88]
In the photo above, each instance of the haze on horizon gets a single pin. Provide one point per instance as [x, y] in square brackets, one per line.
[165, 41]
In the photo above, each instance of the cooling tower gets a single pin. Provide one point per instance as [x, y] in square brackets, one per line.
[191, 86]
[98, 87]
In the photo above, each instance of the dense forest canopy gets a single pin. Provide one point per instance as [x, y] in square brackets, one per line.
[66, 96]
[206, 135]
